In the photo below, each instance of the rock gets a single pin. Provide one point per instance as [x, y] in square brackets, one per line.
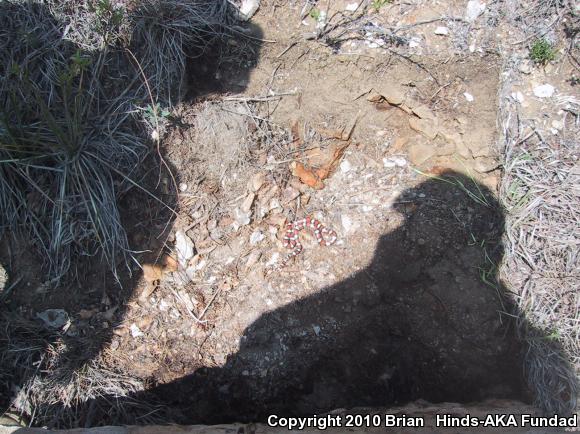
[485, 164]
[3, 278]
[257, 181]
[184, 248]
[394, 162]
[345, 166]
[55, 319]
[414, 42]
[518, 97]
[241, 218]
[424, 126]
[347, 223]
[468, 96]
[525, 67]
[424, 112]
[247, 9]
[351, 7]
[544, 91]
[135, 331]
[183, 187]
[473, 10]
[442, 30]
[556, 124]
[393, 95]
[256, 237]
[247, 203]
[420, 153]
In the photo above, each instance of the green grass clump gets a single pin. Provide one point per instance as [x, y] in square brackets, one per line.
[72, 135]
[542, 52]
[378, 4]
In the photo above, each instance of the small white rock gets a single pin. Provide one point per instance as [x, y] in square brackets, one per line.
[442, 30]
[184, 248]
[345, 166]
[256, 237]
[472, 48]
[135, 331]
[248, 8]
[183, 187]
[346, 222]
[468, 96]
[414, 42]
[316, 330]
[557, 125]
[518, 96]
[351, 7]
[544, 91]
[155, 135]
[474, 9]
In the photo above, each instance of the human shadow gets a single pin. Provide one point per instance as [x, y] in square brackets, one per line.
[95, 300]
[426, 319]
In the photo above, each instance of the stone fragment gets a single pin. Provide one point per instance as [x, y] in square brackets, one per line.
[424, 112]
[419, 153]
[424, 126]
[544, 91]
[473, 10]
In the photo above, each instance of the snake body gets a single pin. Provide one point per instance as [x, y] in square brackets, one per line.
[324, 236]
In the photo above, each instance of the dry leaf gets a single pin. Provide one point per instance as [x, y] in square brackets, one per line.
[307, 176]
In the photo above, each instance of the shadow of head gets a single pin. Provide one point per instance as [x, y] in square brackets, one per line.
[77, 109]
[426, 319]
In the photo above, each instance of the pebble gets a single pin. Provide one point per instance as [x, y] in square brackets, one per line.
[346, 222]
[256, 237]
[525, 67]
[316, 330]
[345, 166]
[414, 42]
[248, 8]
[518, 96]
[183, 247]
[474, 9]
[544, 91]
[3, 278]
[468, 96]
[442, 30]
[135, 331]
[183, 187]
[394, 162]
[351, 7]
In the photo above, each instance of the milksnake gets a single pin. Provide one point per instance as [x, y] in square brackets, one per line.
[324, 236]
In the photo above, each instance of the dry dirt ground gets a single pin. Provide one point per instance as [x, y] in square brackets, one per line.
[406, 305]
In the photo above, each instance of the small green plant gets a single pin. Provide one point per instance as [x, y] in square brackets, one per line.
[542, 52]
[315, 14]
[378, 4]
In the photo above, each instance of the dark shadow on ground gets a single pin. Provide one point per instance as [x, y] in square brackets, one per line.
[427, 319]
[95, 301]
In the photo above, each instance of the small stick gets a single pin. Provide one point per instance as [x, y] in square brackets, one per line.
[209, 304]
[286, 49]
